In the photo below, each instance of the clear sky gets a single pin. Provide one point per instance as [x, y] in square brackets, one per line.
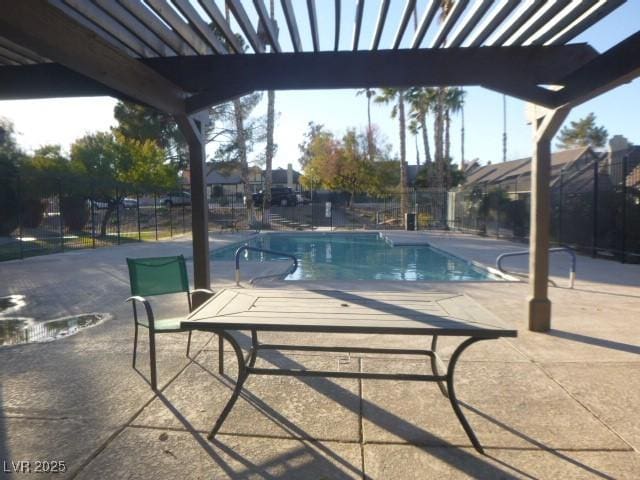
[61, 121]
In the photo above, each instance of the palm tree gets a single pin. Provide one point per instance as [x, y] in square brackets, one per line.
[440, 115]
[392, 95]
[421, 101]
[454, 101]
[369, 92]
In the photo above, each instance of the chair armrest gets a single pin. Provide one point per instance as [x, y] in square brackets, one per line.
[147, 308]
[202, 290]
[203, 295]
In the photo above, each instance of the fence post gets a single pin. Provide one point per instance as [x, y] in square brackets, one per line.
[60, 217]
[138, 215]
[184, 229]
[117, 216]
[170, 208]
[594, 240]
[155, 212]
[560, 201]
[93, 213]
[624, 208]
[20, 233]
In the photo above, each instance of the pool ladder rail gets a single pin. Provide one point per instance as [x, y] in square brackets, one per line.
[569, 251]
[244, 248]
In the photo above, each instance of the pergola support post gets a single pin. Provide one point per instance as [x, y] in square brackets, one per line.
[539, 305]
[192, 127]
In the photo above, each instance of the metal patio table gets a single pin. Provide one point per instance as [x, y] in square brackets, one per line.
[430, 314]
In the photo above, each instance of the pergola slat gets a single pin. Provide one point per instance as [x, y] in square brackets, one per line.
[470, 22]
[7, 61]
[382, 17]
[14, 57]
[47, 30]
[573, 11]
[313, 24]
[200, 26]
[525, 12]
[425, 22]
[292, 25]
[239, 13]
[19, 49]
[137, 28]
[96, 15]
[357, 25]
[593, 15]
[145, 16]
[537, 20]
[449, 22]
[495, 18]
[89, 25]
[183, 29]
[221, 23]
[404, 21]
[336, 39]
[268, 25]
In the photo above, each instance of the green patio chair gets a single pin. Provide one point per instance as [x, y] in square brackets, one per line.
[158, 276]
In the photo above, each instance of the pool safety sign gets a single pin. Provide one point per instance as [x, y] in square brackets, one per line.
[327, 209]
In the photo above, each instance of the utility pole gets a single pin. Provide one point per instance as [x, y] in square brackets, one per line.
[504, 128]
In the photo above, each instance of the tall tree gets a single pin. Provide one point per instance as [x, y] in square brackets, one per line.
[271, 119]
[583, 133]
[396, 97]
[109, 159]
[142, 123]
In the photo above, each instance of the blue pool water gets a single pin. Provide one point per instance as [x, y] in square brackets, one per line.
[357, 256]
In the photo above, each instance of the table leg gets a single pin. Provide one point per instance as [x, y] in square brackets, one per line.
[434, 364]
[452, 393]
[254, 348]
[242, 376]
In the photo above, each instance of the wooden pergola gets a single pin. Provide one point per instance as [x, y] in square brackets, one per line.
[182, 56]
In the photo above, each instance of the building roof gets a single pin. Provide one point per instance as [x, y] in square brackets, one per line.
[501, 172]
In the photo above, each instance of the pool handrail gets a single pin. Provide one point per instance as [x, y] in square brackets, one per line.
[567, 250]
[263, 250]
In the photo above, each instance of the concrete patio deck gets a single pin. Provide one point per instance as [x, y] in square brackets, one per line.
[556, 405]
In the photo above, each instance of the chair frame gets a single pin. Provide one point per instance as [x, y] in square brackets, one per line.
[150, 326]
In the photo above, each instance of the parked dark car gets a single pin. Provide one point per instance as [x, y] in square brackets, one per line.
[283, 196]
[176, 199]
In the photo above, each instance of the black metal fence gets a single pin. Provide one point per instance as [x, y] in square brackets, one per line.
[327, 210]
[58, 215]
[595, 210]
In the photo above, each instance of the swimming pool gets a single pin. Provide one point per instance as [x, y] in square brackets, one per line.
[358, 256]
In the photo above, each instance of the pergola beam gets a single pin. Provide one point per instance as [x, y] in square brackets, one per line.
[47, 80]
[46, 30]
[514, 68]
[620, 64]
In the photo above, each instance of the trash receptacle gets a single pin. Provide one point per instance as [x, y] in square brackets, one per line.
[410, 221]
